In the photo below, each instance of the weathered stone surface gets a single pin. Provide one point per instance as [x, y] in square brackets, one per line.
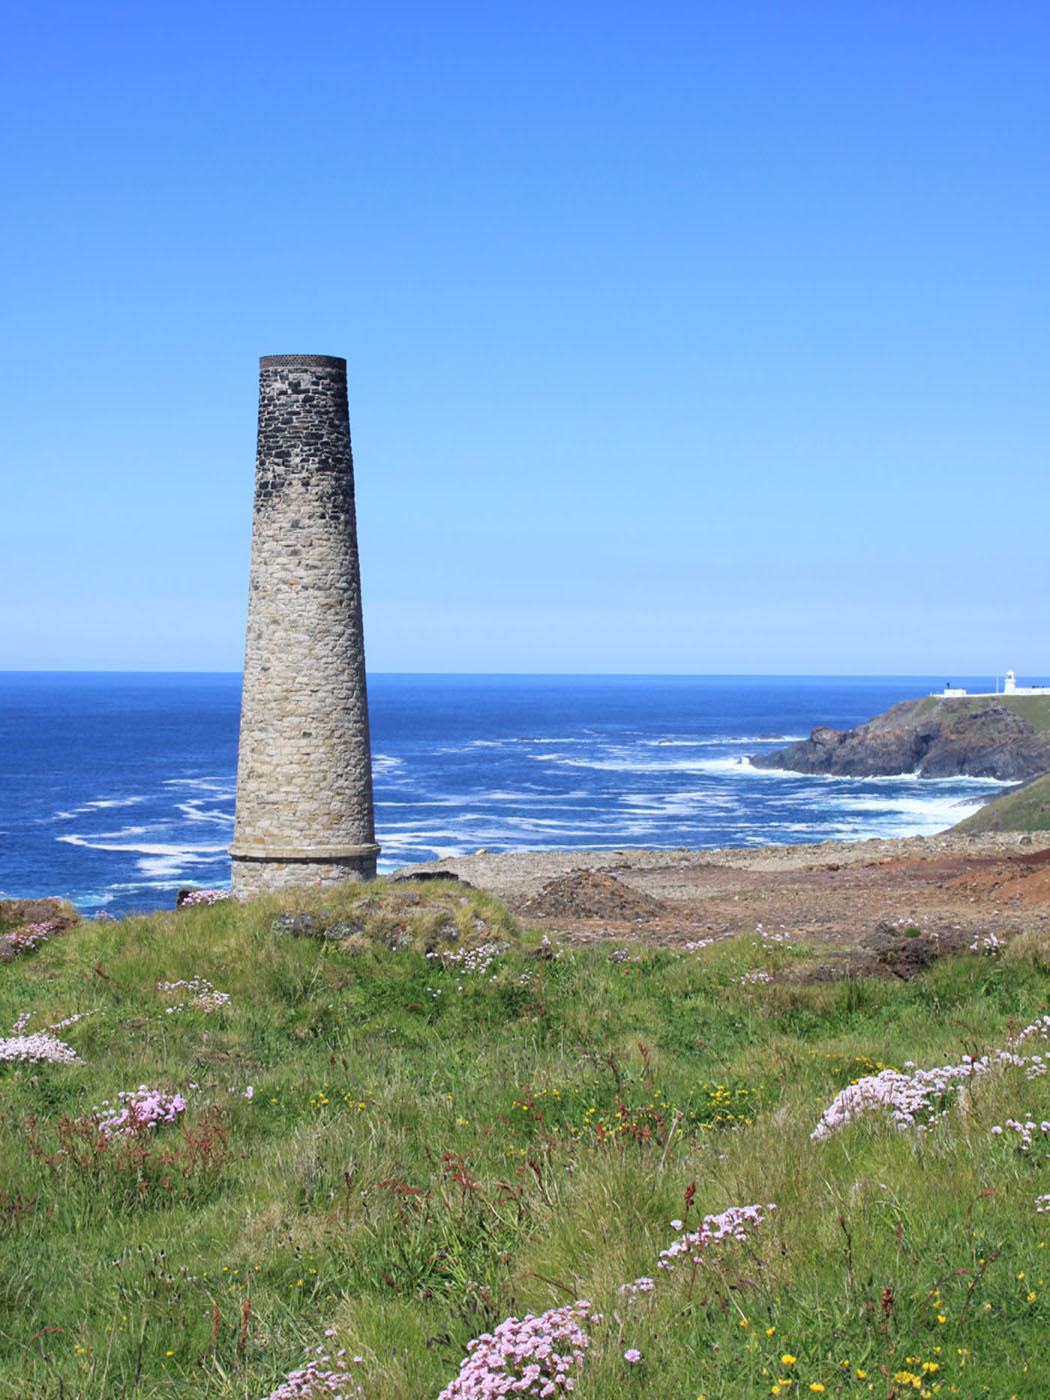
[298, 925]
[309, 926]
[37, 911]
[304, 812]
[342, 930]
[943, 739]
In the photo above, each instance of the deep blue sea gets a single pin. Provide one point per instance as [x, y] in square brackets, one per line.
[116, 789]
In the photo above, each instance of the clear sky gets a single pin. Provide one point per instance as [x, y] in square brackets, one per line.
[681, 337]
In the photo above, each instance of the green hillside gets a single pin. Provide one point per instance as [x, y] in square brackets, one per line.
[1027, 809]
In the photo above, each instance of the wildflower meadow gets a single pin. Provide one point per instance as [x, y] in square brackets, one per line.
[416, 1151]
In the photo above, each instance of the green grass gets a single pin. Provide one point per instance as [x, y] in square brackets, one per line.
[430, 1150]
[1027, 809]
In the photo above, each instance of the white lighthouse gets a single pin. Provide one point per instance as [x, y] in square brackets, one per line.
[1010, 687]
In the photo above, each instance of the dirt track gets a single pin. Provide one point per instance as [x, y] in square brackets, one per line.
[951, 888]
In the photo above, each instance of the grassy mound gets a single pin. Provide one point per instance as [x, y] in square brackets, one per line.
[380, 1132]
[1027, 809]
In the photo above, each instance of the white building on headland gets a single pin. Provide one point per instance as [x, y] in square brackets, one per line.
[1010, 687]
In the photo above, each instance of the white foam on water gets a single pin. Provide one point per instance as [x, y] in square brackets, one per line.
[92, 843]
[904, 803]
[435, 850]
[224, 787]
[100, 804]
[386, 830]
[121, 834]
[472, 815]
[714, 743]
[552, 824]
[413, 802]
[776, 775]
[513, 834]
[96, 899]
[904, 814]
[473, 801]
[93, 900]
[192, 812]
[687, 805]
[506, 827]
[529, 739]
[677, 743]
[890, 780]
[532, 799]
[895, 779]
[386, 763]
[161, 879]
[175, 863]
[736, 766]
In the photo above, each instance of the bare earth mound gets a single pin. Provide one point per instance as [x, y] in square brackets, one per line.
[590, 894]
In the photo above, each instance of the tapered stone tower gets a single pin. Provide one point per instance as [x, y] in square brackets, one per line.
[304, 773]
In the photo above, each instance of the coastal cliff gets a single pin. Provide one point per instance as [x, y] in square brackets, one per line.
[936, 737]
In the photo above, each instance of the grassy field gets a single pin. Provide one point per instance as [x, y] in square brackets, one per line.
[380, 1154]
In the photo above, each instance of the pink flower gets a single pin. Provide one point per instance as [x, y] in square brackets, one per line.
[143, 1108]
[632, 1354]
[522, 1356]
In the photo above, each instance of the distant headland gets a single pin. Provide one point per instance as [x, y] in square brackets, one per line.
[1002, 734]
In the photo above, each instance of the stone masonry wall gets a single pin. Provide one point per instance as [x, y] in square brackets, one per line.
[304, 810]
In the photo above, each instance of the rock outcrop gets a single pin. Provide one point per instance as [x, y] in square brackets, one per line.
[932, 737]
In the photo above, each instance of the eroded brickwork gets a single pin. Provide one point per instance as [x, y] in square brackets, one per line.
[304, 777]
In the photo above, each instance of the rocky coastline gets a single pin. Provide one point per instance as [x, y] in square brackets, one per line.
[932, 737]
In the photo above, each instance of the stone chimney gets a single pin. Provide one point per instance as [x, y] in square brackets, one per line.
[304, 773]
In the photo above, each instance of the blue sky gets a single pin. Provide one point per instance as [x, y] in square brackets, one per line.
[680, 337]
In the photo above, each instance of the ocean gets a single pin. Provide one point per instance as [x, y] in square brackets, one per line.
[116, 789]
